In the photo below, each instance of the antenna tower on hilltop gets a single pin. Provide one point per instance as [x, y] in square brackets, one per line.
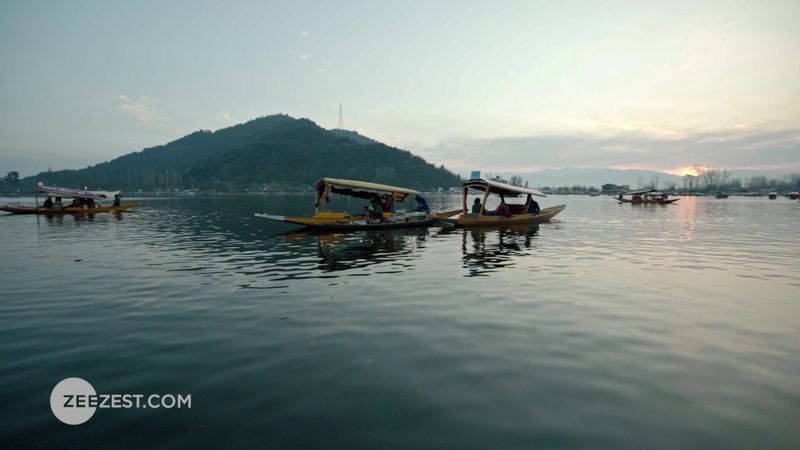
[341, 122]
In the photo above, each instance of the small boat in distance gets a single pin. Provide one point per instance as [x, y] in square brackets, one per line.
[646, 197]
[720, 195]
[381, 214]
[505, 214]
[772, 195]
[83, 202]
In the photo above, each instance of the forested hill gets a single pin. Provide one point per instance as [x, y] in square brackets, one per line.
[276, 152]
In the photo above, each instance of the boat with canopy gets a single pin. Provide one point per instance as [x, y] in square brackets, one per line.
[83, 202]
[383, 211]
[504, 214]
[646, 197]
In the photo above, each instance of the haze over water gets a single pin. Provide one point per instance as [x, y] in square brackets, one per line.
[614, 326]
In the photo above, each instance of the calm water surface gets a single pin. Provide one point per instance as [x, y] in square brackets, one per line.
[616, 326]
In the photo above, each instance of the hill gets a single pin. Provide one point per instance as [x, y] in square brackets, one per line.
[277, 152]
[354, 136]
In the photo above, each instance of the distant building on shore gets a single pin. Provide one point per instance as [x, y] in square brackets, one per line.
[612, 189]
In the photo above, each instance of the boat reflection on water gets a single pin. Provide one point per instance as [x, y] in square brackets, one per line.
[486, 251]
[354, 250]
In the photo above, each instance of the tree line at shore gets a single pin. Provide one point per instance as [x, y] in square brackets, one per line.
[702, 180]
[710, 180]
[169, 180]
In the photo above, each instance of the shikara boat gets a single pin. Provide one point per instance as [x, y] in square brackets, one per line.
[383, 214]
[646, 197]
[505, 214]
[67, 210]
[83, 202]
[720, 195]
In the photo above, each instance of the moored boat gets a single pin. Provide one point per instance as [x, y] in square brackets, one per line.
[720, 195]
[382, 214]
[68, 210]
[84, 202]
[646, 197]
[772, 195]
[505, 214]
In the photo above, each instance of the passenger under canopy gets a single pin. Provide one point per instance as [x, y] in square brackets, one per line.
[357, 189]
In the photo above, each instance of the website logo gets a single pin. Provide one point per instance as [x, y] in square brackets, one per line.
[74, 401]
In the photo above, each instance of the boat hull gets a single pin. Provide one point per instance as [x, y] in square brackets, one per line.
[658, 202]
[67, 210]
[494, 221]
[344, 222]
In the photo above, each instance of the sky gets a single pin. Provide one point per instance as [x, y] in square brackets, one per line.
[496, 86]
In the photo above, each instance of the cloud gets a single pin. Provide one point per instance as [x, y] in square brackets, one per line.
[305, 33]
[225, 117]
[139, 110]
[730, 148]
[302, 56]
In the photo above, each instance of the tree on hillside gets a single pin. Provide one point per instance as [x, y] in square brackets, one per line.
[12, 178]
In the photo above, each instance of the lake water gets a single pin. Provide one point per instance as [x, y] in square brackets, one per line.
[614, 326]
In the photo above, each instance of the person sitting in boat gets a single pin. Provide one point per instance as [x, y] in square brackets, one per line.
[422, 204]
[376, 210]
[58, 205]
[76, 203]
[48, 203]
[502, 209]
[533, 208]
[116, 200]
[89, 204]
[387, 202]
[476, 206]
[375, 204]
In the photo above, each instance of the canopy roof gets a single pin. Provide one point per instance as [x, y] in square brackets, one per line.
[495, 187]
[74, 193]
[367, 186]
[641, 191]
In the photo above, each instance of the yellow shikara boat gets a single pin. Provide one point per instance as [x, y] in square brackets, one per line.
[505, 214]
[84, 202]
[383, 214]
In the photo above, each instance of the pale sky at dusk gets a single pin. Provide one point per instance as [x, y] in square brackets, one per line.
[498, 86]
